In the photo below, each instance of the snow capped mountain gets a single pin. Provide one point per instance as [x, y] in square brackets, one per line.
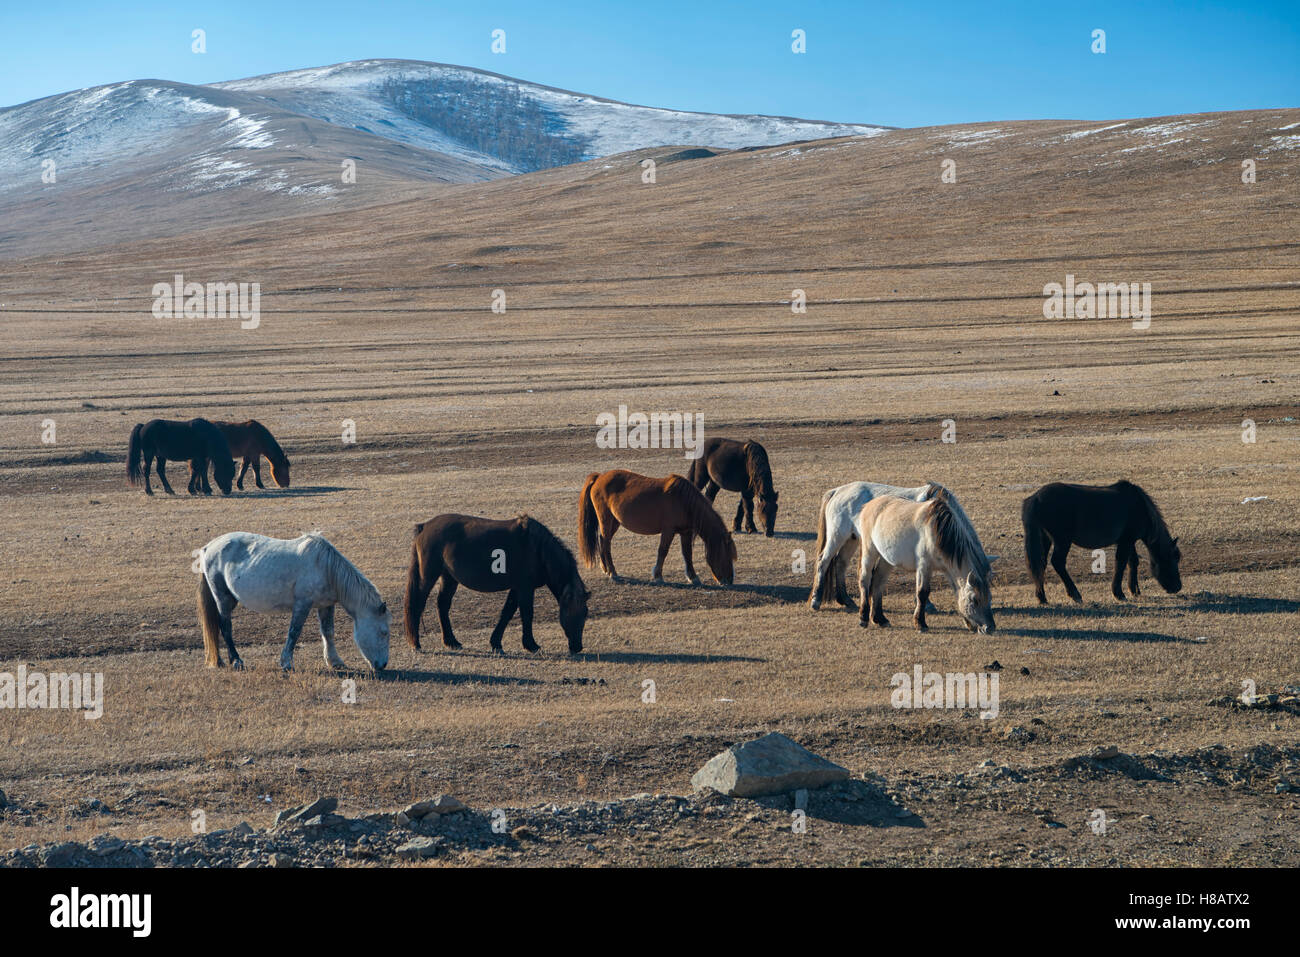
[383, 97]
[147, 157]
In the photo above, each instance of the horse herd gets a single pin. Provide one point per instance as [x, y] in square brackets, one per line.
[921, 529]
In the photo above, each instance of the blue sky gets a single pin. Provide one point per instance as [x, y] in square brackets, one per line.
[914, 63]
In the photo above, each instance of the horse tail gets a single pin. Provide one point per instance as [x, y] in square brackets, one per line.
[1035, 552]
[699, 474]
[210, 622]
[135, 455]
[588, 523]
[827, 590]
[417, 593]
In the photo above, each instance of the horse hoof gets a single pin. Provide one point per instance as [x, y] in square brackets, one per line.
[814, 605]
[454, 645]
[237, 664]
[864, 623]
[532, 649]
[882, 622]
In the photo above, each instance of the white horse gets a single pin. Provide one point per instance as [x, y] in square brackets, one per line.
[288, 575]
[928, 537]
[837, 530]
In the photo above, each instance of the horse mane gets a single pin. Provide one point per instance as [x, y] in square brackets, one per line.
[269, 444]
[555, 556]
[718, 542]
[954, 532]
[760, 471]
[1159, 530]
[356, 586]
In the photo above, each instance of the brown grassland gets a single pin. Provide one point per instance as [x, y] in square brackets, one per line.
[924, 304]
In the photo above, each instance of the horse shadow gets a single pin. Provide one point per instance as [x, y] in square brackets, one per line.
[796, 536]
[668, 657]
[1240, 604]
[794, 594]
[298, 490]
[1086, 635]
[413, 676]
[855, 803]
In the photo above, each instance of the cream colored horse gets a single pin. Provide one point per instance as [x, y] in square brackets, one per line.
[931, 538]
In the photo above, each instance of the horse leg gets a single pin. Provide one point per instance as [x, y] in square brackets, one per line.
[865, 574]
[526, 618]
[194, 478]
[203, 477]
[326, 615]
[665, 540]
[608, 526]
[162, 476]
[1037, 571]
[740, 514]
[257, 471]
[1059, 553]
[711, 490]
[148, 489]
[225, 607]
[446, 593]
[301, 610]
[879, 575]
[242, 473]
[922, 595]
[1122, 551]
[1133, 572]
[688, 557]
[747, 503]
[507, 612]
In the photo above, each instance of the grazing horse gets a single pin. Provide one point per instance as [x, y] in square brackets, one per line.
[1095, 516]
[651, 506]
[928, 536]
[296, 575]
[837, 530]
[252, 440]
[518, 555]
[198, 441]
[738, 467]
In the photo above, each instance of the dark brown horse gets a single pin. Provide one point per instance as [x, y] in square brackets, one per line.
[252, 440]
[651, 506]
[197, 441]
[738, 467]
[518, 555]
[1095, 516]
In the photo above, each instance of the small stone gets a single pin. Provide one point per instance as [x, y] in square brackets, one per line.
[420, 847]
[242, 829]
[523, 833]
[1106, 753]
[442, 804]
[279, 860]
[772, 764]
[302, 812]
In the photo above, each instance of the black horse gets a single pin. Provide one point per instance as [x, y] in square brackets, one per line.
[197, 441]
[1095, 516]
[738, 467]
[518, 555]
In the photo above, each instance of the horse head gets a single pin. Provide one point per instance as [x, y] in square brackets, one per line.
[721, 554]
[1165, 556]
[975, 603]
[223, 470]
[573, 612]
[370, 633]
[280, 472]
[767, 513]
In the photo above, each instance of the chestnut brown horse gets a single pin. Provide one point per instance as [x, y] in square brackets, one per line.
[252, 440]
[651, 506]
[738, 467]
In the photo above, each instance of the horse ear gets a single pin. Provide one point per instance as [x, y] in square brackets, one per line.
[1175, 539]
